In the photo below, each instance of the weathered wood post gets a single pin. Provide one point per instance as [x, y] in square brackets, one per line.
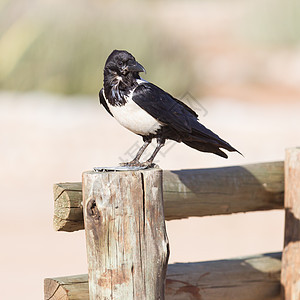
[290, 273]
[127, 244]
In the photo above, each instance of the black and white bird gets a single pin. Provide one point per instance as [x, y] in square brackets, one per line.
[150, 112]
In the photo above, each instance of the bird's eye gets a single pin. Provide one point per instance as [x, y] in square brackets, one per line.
[120, 63]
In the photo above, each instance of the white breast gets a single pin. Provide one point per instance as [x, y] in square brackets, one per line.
[134, 118]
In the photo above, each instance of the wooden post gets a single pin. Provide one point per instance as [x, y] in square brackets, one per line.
[290, 275]
[127, 244]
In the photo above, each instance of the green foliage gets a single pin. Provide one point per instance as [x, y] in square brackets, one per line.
[62, 49]
[273, 22]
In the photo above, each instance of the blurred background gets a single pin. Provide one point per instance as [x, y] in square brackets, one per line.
[237, 63]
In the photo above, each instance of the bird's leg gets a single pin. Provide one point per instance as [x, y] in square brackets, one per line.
[135, 161]
[141, 150]
[160, 144]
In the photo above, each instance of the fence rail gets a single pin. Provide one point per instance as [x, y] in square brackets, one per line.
[193, 193]
[186, 193]
[248, 278]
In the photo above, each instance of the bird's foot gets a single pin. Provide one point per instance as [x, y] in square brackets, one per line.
[133, 163]
[148, 164]
[136, 163]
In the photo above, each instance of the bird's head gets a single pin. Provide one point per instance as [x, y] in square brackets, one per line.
[122, 63]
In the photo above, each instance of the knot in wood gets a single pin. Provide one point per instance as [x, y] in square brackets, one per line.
[92, 210]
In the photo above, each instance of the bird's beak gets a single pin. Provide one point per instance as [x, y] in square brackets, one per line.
[135, 67]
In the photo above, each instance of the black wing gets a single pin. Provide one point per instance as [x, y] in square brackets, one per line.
[163, 107]
[103, 102]
[172, 112]
[168, 110]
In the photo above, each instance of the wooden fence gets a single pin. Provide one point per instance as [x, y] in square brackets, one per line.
[187, 193]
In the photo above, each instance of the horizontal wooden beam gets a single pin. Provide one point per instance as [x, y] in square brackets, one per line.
[195, 192]
[68, 287]
[249, 278]
[68, 212]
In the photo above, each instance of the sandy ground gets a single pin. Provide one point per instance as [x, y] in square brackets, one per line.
[47, 139]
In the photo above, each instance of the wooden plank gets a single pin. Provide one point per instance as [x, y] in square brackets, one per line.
[291, 254]
[196, 192]
[249, 278]
[227, 190]
[67, 288]
[68, 206]
[127, 244]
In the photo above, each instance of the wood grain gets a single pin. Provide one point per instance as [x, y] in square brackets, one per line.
[68, 206]
[196, 192]
[249, 278]
[67, 288]
[127, 244]
[291, 254]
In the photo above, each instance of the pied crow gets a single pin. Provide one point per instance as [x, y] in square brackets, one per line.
[150, 112]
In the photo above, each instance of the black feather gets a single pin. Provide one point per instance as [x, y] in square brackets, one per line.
[181, 118]
[163, 107]
[103, 102]
[206, 148]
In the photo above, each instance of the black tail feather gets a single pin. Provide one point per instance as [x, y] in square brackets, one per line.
[211, 146]
[203, 139]
[205, 147]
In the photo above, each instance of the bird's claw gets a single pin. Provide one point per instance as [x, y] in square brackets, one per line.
[136, 163]
[148, 164]
[133, 163]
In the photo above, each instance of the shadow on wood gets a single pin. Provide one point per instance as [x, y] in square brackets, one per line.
[199, 192]
[248, 278]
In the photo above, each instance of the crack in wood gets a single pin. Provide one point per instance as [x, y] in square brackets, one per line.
[92, 210]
